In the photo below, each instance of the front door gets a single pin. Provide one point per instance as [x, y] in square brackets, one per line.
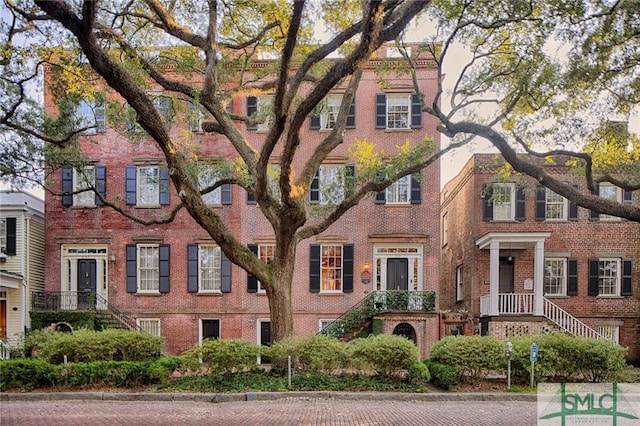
[86, 281]
[265, 339]
[3, 319]
[397, 274]
[506, 275]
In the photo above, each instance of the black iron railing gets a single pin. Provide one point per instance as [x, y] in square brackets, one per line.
[380, 302]
[78, 301]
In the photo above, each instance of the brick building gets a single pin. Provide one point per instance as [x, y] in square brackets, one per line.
[519, 259]
[173, 280]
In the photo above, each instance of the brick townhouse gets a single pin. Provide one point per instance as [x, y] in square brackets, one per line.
[174, 281]
[518, 258]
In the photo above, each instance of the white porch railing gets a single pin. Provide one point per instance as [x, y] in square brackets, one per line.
[5, 350]
[509, 303]
[567, 322]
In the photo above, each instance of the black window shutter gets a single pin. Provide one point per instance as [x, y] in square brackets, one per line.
[627, 269]
[627, 196]
[592, 214]
[594, 270]
[350, 180]
[541, 203]
[314, 192]
[130, 184]
[251, 199]
[487, 211]
[381, 197]
[164, 186]
[381, 111]
[229, 107]
[314, 268]
[164, 268]
[573, 208]
[252, 282]
[520, 205]
[347, 268]
[11, 236]
[252, 108]
[416, 112]
[225, 273]
[192, 268]
[572, 277]
[101, 183]
[132, 269]
[67, 186]
[416, 189]
[351, 118]
[314, 122]
[225, 193]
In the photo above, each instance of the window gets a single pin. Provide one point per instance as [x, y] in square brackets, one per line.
[3, 235]
[398, 111]
[555, 273]
[207, 177]
[147, 186]
[608, 277]
[147, 268]
[149, 325]
[89, 178]
[399, 191]
[210, 266]
[459, 283]
[208, 269]
[210, 329]
[8, 236]
[260, 110]
[330, 110]
[503, 201]
[556, 206]
[609, 192]
[324, 323]
[91, 113]
[194, 118]
[330, 184]
[331, 268]
[84, 179]
[610, 332]
[266, 253]
[163, 105]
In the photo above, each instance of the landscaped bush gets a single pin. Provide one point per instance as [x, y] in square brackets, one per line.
[26, 374]
[313, 354]
[443, 376]
[473, 357]
[88, 345]
[387, 355]
[224, 356]
[566, 358]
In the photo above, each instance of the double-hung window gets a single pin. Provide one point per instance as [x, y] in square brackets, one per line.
[609, 192]
[147, 186]
[503, 201]
[210, 263]
[84, 180]
[260, 112]
[207, 177]
[8, 236]
[195, 117]
[556, 206]
[610, 277]
[398, 111]
[399, 192]
[149, 325]
[331, 184]
[91, 113]
[266, 253]
[83, 187]
[331, 268]
[147, 268]
[555, 276]
[326, 114]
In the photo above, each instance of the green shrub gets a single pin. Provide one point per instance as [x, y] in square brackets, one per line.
[225, 356]
[88, 345]
[419, 372]
[443, 376]
[566, 358]
[387, 355]
[471, 356]
[314, 354]
[26, 374]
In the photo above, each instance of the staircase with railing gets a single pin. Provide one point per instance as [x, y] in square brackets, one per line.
[375, 303]
[567, 322]
[87, 301]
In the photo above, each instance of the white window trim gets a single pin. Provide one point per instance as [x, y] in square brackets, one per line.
[201, 328]
[618, 198]
[260, 289]
[217, 267]
[138, 267]
[139, 178]
[92, 113]
[265, 101]
[412, 252]
[206, 178]
[512, 201]
[334, 182]
[618, 277]
[79, 198]
[330, 106]
[611, 332]
[141, 321]
[399, 96]
[393, 191]
[341, 277]
[565, 207]
[565, 277]
[459, 283]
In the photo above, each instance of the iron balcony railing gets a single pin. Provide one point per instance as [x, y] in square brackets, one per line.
[379, 302]
[78, 301]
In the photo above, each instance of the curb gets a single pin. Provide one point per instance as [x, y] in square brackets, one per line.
[263, 396]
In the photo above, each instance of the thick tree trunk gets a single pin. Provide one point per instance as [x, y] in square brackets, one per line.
[280, 302]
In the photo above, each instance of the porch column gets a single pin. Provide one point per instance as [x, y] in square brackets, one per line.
[494, 276]
[538, 279]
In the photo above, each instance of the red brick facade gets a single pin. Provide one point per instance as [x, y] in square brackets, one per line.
[573, 242]
[98, 237]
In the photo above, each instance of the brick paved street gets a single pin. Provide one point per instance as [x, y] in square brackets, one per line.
[285, 411]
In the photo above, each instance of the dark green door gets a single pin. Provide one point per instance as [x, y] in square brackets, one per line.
[397, 274]
[86, 282]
